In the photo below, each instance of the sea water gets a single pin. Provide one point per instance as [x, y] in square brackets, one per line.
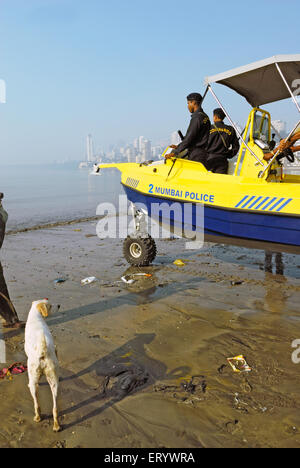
[36, 195]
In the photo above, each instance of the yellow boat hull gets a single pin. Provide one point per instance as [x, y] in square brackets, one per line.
[234, 206]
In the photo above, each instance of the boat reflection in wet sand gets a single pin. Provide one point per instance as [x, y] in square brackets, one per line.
[256, 201]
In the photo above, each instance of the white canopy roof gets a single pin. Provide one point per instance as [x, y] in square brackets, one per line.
[260, 82]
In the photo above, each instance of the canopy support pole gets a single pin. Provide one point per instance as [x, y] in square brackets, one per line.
[234, 126]
[287, 85]
[298, 107]
[205, 94]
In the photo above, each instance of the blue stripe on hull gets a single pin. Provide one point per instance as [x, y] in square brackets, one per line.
[257, 226]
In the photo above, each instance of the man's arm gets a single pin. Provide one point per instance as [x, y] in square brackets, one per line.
[235, 143]
[284, 144]
[190, 137]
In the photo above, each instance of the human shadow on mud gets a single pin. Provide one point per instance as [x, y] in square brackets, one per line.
[124, 372]
[147, 296]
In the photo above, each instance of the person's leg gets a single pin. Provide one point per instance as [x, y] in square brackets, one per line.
[218, 165]
[7, 311]
[221, 168]
[199, 156]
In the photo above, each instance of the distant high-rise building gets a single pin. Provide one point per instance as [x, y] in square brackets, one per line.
[157, 151]
[130, 154]
[136, 145]
[140, 141]
[281, 127]
[89, 149]
[146, 150]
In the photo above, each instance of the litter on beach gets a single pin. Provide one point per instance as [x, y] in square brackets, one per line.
[129, 279]
[147, 275]
[14, 369]
[60, 280]
[239, 364]
[179, 263]
[89, 280]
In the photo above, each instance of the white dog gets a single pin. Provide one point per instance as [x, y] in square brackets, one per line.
[42, 358]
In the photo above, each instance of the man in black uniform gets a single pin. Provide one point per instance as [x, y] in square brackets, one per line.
[223, 144]
[197, 135]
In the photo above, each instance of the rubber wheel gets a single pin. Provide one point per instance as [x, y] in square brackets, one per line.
[140, 251]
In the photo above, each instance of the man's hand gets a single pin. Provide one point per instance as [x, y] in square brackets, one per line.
[170, 156]
[173, 146]
[268, 156]
[283, 145]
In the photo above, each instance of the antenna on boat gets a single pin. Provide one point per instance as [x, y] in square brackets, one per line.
[181, 137]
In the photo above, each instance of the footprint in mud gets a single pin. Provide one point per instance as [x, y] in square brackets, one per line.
[246, 386]
[233, 427]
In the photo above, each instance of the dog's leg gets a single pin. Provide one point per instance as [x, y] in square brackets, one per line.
[53, 382]
[33, 386]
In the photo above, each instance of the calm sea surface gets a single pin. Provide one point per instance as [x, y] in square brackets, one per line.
[37, 195]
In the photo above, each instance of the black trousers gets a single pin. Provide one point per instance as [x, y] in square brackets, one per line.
[6, 312]
[197, 155]
[217, 164]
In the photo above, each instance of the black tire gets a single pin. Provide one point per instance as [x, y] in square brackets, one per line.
[139, 251]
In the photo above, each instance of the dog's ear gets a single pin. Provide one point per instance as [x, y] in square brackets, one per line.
[43, 309]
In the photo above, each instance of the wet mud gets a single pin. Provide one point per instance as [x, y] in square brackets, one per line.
[145, 364]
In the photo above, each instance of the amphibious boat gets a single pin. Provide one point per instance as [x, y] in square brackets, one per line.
[256, 200]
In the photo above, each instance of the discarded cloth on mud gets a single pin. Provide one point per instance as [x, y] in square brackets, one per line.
[14, 369]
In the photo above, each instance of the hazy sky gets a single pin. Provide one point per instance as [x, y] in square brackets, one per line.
[119, 69]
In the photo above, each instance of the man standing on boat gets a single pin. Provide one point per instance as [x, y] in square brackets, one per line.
[223, 144]
[196, 138]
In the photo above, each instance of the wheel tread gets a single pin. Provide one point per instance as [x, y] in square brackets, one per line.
[149, 251]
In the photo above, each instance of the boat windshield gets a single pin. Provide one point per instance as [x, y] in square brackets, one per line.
[261, 127]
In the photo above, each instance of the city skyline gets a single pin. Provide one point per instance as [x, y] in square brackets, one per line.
[115, 70]
[141, 148]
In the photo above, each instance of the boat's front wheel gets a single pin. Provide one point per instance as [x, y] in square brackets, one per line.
[140, 251]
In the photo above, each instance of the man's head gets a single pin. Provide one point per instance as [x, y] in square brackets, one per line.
[219, 115]
[194, 102]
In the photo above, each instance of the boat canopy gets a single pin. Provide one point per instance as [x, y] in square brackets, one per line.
[265, 81]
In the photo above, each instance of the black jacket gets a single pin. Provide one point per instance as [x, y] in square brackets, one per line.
[222, 137]
[197, 134]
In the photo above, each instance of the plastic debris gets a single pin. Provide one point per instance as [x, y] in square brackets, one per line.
[14, 369]
[239, 364]
[179, 263]
[236, 283]
[127, 280]
[147, 275]
[89, 280]
[60, 280]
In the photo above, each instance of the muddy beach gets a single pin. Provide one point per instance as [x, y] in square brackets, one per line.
[145, 365]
